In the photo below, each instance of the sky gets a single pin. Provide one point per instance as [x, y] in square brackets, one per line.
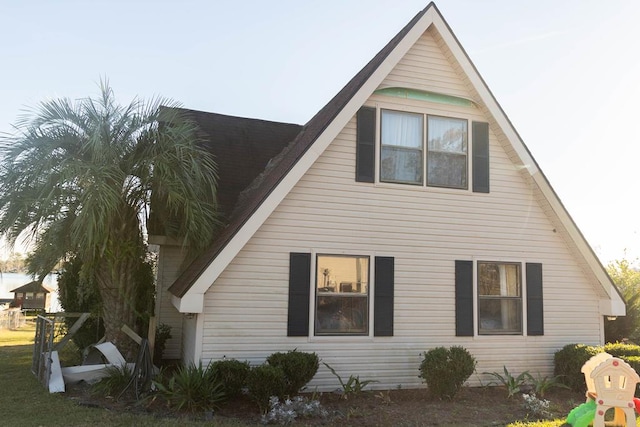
[567, 73]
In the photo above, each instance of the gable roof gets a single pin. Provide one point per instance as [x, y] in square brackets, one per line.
[271, 186]
[35, 287]
[265, 184]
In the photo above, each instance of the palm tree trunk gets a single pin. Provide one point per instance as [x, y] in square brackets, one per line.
[116, 279]
[117, 290]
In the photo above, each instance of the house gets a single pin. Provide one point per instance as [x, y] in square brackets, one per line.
[406, 214]
[32, 296]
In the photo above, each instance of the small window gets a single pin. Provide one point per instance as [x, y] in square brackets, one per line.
[29, 296]
[401, 150]
[499, 298]
[342, 295]
[447, 152]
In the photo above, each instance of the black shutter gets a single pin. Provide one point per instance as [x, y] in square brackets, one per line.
[299, 289]
[480, 163]
[383, 299]
[535, 317]
[464, 298]
[365, 144]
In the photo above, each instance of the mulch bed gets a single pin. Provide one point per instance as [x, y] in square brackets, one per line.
[488, 406]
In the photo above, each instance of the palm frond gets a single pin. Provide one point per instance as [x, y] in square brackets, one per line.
[76, 173]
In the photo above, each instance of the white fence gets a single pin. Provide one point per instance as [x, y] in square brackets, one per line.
[12, 318]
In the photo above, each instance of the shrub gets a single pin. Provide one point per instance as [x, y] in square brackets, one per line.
[299, 368]
[537, 408]
[114, 383]
[568, 362]
[353, 385]
[232, 374]
[621, 350]
[543, 384]
[633, 361]
[78, 294]
[286, 412]
[265, 381]
[445, 370]
[511, 383]
[192, 388]
[163, 334]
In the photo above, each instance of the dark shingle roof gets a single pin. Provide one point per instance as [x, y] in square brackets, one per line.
[264, 184]
[242, 148]
[35, 287]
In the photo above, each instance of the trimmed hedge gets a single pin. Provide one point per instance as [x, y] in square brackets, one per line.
[622, 350]
[233, 374]
[568, 361]
[299, 368]
[446, 369]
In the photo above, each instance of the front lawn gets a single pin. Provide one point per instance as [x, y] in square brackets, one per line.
[25, 402]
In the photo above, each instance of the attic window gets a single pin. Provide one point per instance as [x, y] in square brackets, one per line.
[403, 149]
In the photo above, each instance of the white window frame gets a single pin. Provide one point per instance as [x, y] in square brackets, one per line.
[523, 290]
[312, 297]
[425, 149]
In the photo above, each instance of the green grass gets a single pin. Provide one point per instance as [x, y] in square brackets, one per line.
[25, 402]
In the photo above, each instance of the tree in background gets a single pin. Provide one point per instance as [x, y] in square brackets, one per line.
[627, 279]
[16, 263]
[79, 177]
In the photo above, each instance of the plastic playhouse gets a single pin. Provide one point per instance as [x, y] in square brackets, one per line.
[611, 384]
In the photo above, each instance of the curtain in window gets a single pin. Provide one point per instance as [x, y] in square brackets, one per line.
[401, 153]
[499, 297]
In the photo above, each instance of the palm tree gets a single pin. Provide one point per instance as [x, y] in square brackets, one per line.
[78, 178]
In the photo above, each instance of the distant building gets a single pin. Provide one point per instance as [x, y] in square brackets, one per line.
[33, 295]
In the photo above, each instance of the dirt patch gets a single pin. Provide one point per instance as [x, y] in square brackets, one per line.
[472, 407]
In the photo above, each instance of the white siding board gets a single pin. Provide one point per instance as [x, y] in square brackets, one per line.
[425, 230]
[169, 260]
[412, 72]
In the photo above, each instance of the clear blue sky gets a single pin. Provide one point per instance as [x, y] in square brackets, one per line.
[567, 73]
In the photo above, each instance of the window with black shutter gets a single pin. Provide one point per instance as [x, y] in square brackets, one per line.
[499, 298]
[342, 293]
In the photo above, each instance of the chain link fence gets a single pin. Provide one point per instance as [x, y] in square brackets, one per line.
[12, 318]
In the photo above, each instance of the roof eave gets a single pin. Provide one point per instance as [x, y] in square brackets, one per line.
[342, 107]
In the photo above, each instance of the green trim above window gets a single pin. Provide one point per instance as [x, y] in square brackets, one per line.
[423, 95]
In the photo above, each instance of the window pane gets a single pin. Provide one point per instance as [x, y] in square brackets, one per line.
[401, 165]
[498, 279]
[498, 315]
[499, 298]
[447, 152]
[447, 170]
[401, 153]
[342, 295]
[448, 135]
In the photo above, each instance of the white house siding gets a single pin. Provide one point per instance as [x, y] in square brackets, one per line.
[190, 340]
[425, 230]
[169, 259]
[427, 54]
